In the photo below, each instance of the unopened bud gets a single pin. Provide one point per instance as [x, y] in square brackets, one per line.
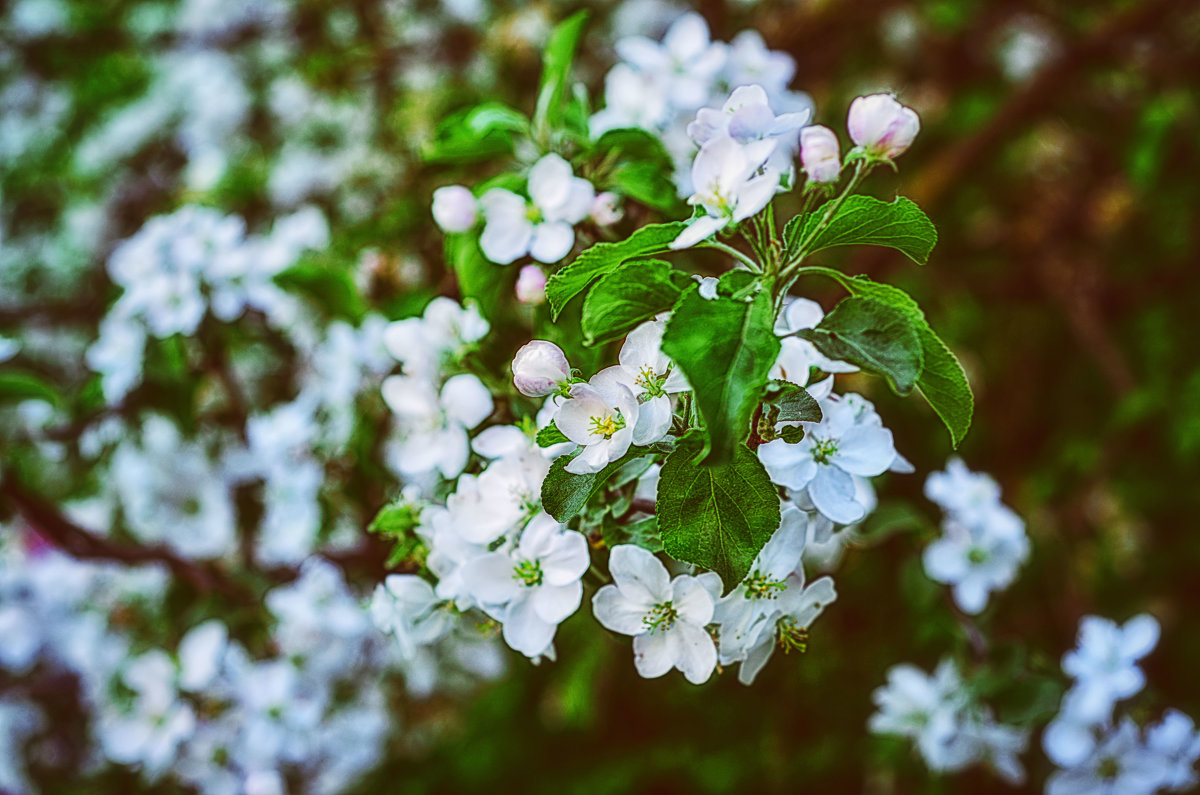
[531, 285]
[882, 126]
[454, 208]
[540, 368]
[819, 154]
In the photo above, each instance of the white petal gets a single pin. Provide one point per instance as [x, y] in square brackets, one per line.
[617, 612]
[641, 577]
[692, 600]
[655, 653]
[865, 450]
[555, 602]
[696, 655]
[467, 400]
[832, 492]
[491, 578]
[525, 631]
[550, 182]
[551, 241]
[703, 227]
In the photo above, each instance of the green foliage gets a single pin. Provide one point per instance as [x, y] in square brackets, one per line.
[19, 385]
[648, 184]
[565, 494]
[863, 220]
[718, 517]
[604, 258]
[631, 294]
[642, 532]
[874, 335]
[792, 402]
[325, 279]
[479, 133]
[725, 347]
[486, 283]
[550, 436]
[556, 70]
[397, 522]
[942, 383]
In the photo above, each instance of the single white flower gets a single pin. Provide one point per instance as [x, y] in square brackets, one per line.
[1119, 765]
[406, 607]
[1175, 740]
[534, 587]
[544, 228]
[600, 416]
[433, 425]
[667, 618]
[826, 460]
[882, 126]
[687, 61]
[978, 558]
[746, 117]
[926, 708]
[732, 183]
[1104, 664]
[647, 372]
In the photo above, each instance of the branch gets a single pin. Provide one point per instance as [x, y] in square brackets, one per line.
[205, 577]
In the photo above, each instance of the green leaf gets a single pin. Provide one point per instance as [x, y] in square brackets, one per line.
[864, 220]
[643, 533]
[489, 284]
[942, 383]
[633, 293]
[793, 401]
[647, 183]
[633, 143]
[725, 347]
[18, 385]
[717, 517]
[477, 133]
[565, 494]
[604, 258]
[556, 70]
[874, 335]
[550, 436]
[325, 280]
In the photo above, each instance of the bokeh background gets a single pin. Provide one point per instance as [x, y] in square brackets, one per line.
[1058, 157]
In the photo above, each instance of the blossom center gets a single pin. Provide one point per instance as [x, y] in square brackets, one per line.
[976, 555]
[607, 425]
[661, 616]
[792, 637]
[651, 382]
[760, 586]
[528, 572]
[823, 449]
[1108, 769]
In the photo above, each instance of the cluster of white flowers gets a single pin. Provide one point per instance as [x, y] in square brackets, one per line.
[195, 260]
[660, 86]
[1096, 751]
[949, 728]
[210, 714]
[983, 542]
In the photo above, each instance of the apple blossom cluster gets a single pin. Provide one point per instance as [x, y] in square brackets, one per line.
[948, 727]
[212, 713]
[672, 87]
[1097, 750]
[983, 542]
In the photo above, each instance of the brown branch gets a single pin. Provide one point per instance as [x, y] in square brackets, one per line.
[80, 543]
[1039, 95]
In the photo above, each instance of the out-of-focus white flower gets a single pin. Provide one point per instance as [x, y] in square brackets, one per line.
[1118, 765]
[1177, 743]
[819, 154]
[667, 618]
[1104, 664]
[454, 208]
[542, 229]
[434, 424]
[425, 344]
[882, 126]
[746, 117]
[797, 356]
[686, 60]
[978, 558]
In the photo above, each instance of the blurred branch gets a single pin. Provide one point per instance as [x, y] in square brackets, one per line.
[85, 545]
[1039, 95]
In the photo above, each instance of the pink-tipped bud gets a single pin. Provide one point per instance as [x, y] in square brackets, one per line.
[531, 285]
[605, 211]
[882, 126]
[819, 154]
[540, 368]
[454, 208]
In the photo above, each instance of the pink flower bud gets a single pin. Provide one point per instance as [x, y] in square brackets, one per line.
[540, 368]
[531, 285]
[819, 154]
[605, 211]
[454, 208]
[882, 126]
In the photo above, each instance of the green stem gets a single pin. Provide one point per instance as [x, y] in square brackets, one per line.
[860, 170]
[733, 252]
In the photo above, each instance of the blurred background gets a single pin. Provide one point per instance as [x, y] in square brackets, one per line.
[1058, 157]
